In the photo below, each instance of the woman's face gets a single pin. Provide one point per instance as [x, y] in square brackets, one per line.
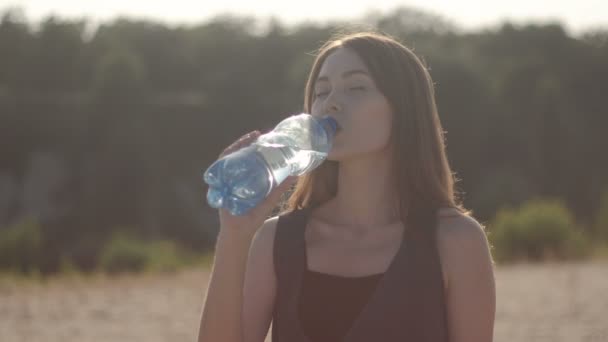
[345, 90]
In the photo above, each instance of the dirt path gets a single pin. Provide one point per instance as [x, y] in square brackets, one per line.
[555, 302]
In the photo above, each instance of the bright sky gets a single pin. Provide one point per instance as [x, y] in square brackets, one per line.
[576, 15]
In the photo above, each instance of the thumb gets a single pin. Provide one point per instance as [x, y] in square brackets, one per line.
[277, 192]
[287, 183]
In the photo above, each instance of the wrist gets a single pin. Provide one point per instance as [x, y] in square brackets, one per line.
[236, 234]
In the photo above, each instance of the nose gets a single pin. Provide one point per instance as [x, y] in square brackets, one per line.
[332, 106]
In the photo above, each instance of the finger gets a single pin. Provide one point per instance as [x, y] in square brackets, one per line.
[248, 136]
[289, 182]
[277, 192]
[243, 141]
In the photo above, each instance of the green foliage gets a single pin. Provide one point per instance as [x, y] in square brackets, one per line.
[500, 187]
[538, 230]
[67, 267]
[120, 74]
[124, 253]
[20, 246]
[137, 109]
[600, 229]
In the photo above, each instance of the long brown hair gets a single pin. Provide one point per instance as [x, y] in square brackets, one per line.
[425, 182]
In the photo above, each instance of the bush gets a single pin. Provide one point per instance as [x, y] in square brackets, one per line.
[538, 230]
[124, 253]
[500, 187]
[600, 229]
[20, 247]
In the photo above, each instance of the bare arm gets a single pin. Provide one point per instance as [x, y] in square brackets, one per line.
[471, 294]
[221, 316]
[241, 293]
[260, 284]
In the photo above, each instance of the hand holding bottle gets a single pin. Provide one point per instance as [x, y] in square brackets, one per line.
[254, 218]
[245, 175]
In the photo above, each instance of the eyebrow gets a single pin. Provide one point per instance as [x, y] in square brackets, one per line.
[345, 74]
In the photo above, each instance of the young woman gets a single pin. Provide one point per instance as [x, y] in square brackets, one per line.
[372, 245]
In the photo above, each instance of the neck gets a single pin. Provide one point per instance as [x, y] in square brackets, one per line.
[366, 192]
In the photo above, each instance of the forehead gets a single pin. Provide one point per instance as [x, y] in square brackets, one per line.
[342, 59]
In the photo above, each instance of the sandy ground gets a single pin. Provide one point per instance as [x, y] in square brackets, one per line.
[549, 302]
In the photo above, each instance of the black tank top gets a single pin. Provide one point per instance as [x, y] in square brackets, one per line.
[330, 303]
[406, 303]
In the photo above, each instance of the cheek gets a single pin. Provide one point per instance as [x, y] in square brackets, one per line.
[369, 130]
[374, 121]
[371, 134]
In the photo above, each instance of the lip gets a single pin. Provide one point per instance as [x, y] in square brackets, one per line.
[338, 125]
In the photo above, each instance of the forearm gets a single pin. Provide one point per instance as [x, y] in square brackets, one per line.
[222, 308]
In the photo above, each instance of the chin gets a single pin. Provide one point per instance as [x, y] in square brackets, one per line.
[331, 157]
[337, 155]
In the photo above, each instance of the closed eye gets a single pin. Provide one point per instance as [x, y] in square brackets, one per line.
[324, 93]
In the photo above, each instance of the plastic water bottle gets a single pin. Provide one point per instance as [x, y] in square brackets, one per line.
[242, 179]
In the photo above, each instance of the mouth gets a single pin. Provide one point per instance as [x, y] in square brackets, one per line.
[333, 122]
[338, 128]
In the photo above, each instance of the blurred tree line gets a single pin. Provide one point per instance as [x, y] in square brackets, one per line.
[109, 129]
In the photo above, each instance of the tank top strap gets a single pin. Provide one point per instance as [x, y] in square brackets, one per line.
[289, 261]
[287, 243]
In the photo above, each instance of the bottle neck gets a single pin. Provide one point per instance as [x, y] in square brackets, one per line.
[329, 124]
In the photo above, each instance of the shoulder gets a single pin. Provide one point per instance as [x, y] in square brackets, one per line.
[462, 244]
[260, 261]
[259, 283]
[265, 234]
[470, 293]
[455, 227]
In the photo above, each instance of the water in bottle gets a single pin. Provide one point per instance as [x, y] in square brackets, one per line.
[242, 179]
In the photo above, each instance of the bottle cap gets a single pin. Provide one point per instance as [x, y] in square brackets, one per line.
[330, 122]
